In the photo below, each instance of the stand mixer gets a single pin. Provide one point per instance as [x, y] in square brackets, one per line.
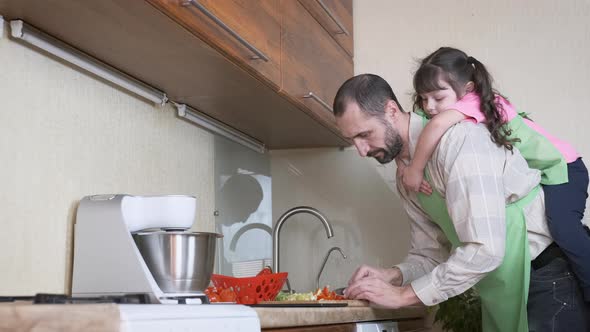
[169, 263]
[128, 245]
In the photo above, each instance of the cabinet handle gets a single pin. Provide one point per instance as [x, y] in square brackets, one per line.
[319, 100]
[245, 43]
[334, 18]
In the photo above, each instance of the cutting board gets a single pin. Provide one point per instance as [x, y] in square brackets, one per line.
[323, 303]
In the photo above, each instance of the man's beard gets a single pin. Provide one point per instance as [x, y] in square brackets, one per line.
[393, 146]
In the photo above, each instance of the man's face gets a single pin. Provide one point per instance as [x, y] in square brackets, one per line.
[372, 136]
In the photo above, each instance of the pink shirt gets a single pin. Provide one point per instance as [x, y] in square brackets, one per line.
[469, 105]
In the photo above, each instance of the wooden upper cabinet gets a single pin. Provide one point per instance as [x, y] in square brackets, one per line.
[247, 31]
[313, 64]
[336, 17]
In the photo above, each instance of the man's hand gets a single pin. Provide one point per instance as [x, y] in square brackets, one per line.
[382, 293]
[413, 180]
[391, 276]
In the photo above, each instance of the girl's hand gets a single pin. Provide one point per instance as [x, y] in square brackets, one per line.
[413, 180]
[399, 173]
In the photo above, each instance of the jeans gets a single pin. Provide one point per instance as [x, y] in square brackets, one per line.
[555, 300]
[564, 206]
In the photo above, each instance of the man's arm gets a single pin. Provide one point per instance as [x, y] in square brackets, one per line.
[428, 245]
[390, 287]
[470, 171]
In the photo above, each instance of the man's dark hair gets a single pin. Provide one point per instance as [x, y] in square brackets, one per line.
[369, 91]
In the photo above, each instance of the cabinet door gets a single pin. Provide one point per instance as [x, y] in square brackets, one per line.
[312, 62]
[247, 31]
[336, 17]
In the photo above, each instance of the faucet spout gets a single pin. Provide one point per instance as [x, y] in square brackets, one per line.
[317, 282]
[285, 217]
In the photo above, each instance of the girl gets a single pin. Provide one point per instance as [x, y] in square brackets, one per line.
[451, 87]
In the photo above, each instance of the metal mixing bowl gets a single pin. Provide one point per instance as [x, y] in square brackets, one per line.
[181, 262]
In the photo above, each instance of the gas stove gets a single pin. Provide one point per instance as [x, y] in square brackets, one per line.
[137, 314]
[42, 298]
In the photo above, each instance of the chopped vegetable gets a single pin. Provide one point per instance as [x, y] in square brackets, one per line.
[320, 294]
[295, 297]
[221, 295]
[326, 294]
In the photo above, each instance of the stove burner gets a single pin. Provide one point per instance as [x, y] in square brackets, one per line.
[42, 298]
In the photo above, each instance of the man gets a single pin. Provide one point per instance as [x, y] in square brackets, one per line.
[482, 226]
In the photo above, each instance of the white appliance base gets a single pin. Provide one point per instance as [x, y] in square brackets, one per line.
[377, 326]
[188, 318]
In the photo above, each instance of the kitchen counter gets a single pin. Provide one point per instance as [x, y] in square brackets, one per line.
[24, 316]
[289, 317]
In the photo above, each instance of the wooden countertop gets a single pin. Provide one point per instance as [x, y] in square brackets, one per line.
[24, 316]
[290, 317]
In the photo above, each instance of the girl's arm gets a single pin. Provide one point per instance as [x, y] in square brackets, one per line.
[429, 138]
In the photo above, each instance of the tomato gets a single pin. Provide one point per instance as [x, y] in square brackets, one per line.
[228, 295]
[213, 298]
[326, 294]
[210, 289]
[212, 294]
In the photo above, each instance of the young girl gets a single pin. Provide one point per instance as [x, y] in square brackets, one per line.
[451, 87]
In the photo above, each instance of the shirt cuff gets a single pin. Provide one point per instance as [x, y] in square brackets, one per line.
[427, 292]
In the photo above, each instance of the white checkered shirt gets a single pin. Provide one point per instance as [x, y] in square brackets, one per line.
[477, 179]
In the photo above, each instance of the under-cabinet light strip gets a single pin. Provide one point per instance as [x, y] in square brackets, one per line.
[35, 37]
[219, 128]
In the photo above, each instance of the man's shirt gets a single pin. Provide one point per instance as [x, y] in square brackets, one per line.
[477, 179]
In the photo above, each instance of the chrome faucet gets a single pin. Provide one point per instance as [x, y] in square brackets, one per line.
[317, 282]
[281, 221]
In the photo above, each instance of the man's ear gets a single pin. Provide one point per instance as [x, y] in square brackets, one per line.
[470, 86]
[391, 109]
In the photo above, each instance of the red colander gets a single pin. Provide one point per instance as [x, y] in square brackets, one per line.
[252, 290]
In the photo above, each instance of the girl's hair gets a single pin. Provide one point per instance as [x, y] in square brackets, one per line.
[456, 68]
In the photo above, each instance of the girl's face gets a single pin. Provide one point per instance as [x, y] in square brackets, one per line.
[437, 101]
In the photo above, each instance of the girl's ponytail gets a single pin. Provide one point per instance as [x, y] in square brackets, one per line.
[492, 111]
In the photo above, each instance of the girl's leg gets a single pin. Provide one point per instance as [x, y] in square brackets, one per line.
[565, 205]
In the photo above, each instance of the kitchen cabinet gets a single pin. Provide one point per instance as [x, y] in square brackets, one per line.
[188, 52]
[248, 32]
[336, 17]
[313, 65]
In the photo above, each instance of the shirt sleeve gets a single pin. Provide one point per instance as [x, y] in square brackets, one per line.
[428, 245]
[470, 173]
[469, 106]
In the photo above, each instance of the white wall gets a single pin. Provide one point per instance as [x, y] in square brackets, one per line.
[539, 55]
[65, 134]
[364, 212]
[537, 51]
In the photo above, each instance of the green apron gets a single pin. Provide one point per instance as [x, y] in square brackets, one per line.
[504, 291]
[539, 152]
